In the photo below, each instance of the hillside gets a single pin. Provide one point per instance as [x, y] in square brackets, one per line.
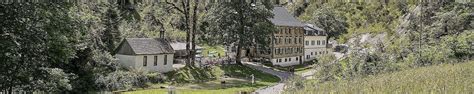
[444, 78]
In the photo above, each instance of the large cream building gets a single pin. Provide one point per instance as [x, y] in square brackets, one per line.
[315, 42]
[287, 43]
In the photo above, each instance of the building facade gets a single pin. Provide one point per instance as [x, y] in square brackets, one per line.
[315, 42]
[146, 53]
[287, 45]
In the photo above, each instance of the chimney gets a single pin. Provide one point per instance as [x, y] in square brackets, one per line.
[162, 32]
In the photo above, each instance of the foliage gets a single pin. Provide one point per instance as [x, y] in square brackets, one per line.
[123, 80]
[35, 37]
[54, 80]
[411, 46]
[461, 45]
[443, 78]
[240, 23]
[427, 34]
[329, 21]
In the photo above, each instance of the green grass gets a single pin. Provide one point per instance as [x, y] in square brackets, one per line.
[208, 81]
[444, 78]
[218, 49]
[299, 69]
[191, 91]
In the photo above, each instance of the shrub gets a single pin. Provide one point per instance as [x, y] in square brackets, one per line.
[123, 80]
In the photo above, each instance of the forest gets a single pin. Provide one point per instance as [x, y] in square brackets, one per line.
[388, 37]
[68, 47]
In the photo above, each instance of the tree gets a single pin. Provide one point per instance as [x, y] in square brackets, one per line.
[35, 37]
[328, 20]
[93, 58]
[187, 22]
[240, 23]
[111, 33]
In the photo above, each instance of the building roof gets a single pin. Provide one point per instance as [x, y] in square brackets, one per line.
[284, 18]
[144, 46]
[311, 30]
[312, 27]
[181, 46]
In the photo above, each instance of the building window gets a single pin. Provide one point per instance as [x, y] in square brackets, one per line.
[280, 51]
[296, 40]
[291, 50]
[307, 42]
[312, 42]
[289, 41]
[316, 53]
[302, 49]
[276, 51]
[289, 59]
[301, 40]
[279, 40]
[279, 60]
[296, 58]
[286, 60]
[165, 59]
[144, 60]
[155, 60]
[307, 56]
[319, 42]
[311, 53]
[323, 42]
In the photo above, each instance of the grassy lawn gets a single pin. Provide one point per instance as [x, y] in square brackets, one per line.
[298, 69]
[445, 78]
[192, 91]
[208, 81]
[218, 49]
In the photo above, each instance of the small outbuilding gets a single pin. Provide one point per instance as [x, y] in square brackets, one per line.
[152, 54]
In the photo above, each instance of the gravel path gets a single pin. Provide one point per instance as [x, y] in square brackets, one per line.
[276, 89]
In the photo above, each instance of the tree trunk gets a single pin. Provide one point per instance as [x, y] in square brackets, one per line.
[188, 31]
[193, 40]
[239, 55]
[10, 90]
[242, 30]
